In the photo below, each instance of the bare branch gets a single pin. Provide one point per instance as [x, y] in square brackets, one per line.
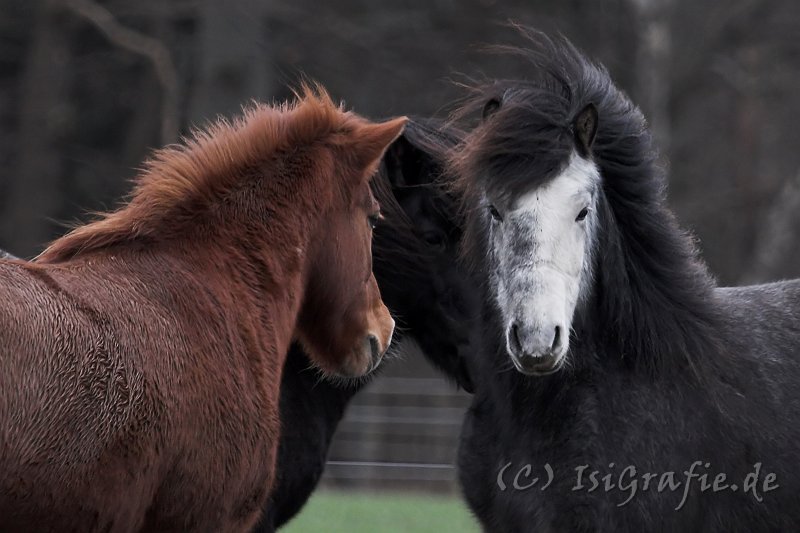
[152, 49]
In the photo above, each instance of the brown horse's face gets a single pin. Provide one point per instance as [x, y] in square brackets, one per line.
[344, 324]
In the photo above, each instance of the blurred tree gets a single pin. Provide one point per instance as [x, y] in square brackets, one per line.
[231, 69]
[653, 65]
[776, 254]
[34, 194]
[135, 42]
[84, 98]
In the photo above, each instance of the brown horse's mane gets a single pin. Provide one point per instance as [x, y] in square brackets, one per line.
[205, 166]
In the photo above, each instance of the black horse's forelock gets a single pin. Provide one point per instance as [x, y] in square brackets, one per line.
[653, 301]
[529, 138]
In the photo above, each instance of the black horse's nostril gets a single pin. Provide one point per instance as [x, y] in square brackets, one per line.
[556, 340]
[374, 346]
[513, 336]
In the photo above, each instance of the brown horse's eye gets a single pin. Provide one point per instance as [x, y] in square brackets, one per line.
[374, 219]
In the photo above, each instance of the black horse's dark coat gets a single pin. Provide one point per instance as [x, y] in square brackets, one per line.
[664, 368]
[414, 252]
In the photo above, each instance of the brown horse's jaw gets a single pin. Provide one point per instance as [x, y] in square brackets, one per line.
[364, 358]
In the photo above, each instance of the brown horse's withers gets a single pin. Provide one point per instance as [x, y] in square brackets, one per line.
[140, 355]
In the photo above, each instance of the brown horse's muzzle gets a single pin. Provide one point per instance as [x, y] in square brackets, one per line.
[369, 352]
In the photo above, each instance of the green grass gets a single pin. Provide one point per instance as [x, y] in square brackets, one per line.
[357, 512]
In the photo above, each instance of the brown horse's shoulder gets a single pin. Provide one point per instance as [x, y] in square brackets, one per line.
[73, 369]
[28, 296]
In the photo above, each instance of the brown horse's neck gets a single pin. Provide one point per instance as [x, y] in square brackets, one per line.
[262, 260]
[248, 249]
[240, 204]
[275, 252]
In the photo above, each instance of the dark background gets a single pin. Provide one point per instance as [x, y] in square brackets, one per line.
[87, 89]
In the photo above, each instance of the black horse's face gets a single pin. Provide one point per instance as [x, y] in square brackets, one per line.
[540, 239]
[540, 249]
[429, 285]
[450, 300]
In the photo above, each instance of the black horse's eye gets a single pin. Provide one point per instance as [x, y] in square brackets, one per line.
[490, 108]
[434, 239]
[374, 219]
[582, 215]
[495, 213]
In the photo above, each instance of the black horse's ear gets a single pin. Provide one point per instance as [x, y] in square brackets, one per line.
[393, 163]
[585, 127]
[490, 107]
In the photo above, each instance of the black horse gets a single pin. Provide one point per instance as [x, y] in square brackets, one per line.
[620, 389]
[414, 260]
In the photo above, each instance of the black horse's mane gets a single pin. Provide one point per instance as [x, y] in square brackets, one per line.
[653, 297]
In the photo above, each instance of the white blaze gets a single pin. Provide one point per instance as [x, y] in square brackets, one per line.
[542, 257]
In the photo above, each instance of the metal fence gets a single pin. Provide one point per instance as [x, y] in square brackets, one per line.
[401, 432]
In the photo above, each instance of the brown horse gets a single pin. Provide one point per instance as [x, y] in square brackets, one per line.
[141, 354]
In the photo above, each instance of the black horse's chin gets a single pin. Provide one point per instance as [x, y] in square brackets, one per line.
[538, 366]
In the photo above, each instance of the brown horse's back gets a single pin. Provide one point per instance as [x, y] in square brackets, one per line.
[102, 362]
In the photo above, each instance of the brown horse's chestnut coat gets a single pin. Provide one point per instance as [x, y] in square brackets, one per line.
[140, 355]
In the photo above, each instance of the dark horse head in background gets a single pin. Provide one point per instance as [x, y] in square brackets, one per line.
[609, 354]
[414, 260]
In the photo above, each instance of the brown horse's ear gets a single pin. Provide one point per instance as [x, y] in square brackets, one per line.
[374, 138]
[585, 127]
